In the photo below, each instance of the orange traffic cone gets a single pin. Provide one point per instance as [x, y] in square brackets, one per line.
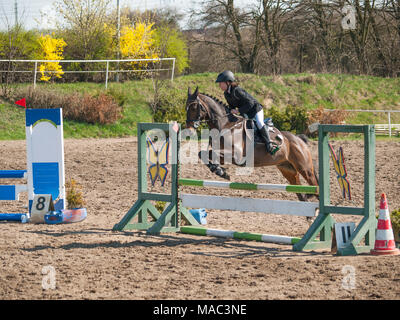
[384, 242]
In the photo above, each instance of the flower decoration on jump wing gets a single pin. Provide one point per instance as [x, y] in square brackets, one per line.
[158, 160]
[340, 168]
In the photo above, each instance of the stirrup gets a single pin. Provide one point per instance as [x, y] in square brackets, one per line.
[274, 148]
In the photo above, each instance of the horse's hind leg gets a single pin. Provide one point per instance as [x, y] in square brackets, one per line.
[291, 175]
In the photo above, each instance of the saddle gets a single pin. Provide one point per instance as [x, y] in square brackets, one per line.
[274, 134]
[243, 130]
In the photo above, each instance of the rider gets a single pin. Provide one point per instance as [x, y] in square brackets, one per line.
[247, 105]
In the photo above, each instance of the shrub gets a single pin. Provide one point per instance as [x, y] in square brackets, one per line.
[169, 104]
[50, 49]
[320, 115]
[118, 95]
[395, 219]
[100, 109]
[292, 118]
[137, 42]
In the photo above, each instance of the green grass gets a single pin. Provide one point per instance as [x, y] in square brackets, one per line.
[12, 122]
[309, 90]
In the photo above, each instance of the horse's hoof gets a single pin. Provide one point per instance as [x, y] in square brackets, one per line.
[226, 176]
[310, 220]
[222, 173]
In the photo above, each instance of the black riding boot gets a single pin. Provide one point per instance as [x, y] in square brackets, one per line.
[267, 140]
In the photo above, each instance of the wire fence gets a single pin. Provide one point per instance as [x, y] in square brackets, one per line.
[107, 71]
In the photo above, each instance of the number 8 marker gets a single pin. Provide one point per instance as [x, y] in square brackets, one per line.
[41, 202]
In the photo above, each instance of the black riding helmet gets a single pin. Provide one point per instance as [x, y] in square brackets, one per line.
[225, 76]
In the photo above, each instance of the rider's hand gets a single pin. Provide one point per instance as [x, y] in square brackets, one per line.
[234, 111]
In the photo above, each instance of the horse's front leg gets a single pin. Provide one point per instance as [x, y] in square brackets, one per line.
[207, 158]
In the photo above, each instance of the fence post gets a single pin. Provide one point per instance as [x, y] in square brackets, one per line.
[34, 77]
[106, 74]
[390, 125]
[173, 69]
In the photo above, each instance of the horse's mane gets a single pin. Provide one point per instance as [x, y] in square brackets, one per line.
[216, 100]
[231, 117]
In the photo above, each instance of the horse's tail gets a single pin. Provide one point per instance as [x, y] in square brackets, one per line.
[303, 137]
[316, 175]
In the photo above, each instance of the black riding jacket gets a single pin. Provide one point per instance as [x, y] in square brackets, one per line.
[239, 98]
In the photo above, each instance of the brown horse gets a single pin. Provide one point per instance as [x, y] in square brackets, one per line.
[292, 159]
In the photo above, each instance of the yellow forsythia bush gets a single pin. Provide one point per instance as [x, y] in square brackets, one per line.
[138, 42]
[51, 49]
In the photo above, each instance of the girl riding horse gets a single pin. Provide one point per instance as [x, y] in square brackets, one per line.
[247, 105]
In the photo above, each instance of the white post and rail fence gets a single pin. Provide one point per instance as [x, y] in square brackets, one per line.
[380, 128]
[106, 71]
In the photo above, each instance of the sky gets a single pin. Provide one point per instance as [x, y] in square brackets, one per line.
[34, 13]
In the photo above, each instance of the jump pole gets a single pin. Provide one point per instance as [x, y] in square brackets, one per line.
[281, 207]
[248, 186]
[271, 238]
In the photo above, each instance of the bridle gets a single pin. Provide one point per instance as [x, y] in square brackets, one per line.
[198, 121]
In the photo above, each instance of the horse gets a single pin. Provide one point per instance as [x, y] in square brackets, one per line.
[293, 158]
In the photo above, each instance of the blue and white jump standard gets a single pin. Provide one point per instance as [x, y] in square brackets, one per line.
[45, 173]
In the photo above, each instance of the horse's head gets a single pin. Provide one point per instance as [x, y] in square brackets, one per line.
[196, 110]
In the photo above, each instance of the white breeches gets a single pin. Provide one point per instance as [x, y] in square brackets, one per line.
[259, 119]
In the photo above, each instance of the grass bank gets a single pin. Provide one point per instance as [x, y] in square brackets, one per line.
[309, 90]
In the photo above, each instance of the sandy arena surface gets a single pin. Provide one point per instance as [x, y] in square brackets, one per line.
[92, 262]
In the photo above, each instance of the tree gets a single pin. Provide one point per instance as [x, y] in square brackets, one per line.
[274, 16]
[83, 27]
[385, 21]
[169, 40]
[325, 34]
[361, 35]
[15, 43]
[170, 43]
[236, 32]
